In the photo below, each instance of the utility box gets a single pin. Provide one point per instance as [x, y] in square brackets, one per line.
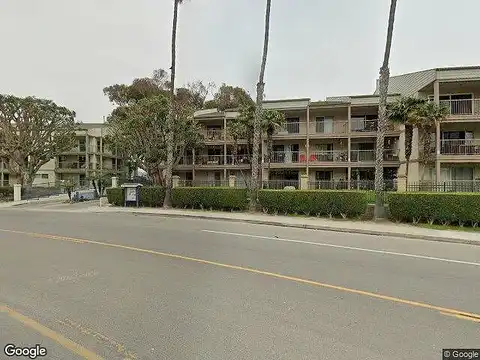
[132, 194]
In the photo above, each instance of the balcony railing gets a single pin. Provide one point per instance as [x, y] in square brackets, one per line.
[460, 147]
[362, 155]
[238, 160]
[289, 128]
[209, 160]
[94, 166]
[71, 165]
[286, 157]
[329, 155]
[329, 127]
[213, 134]
[462, 107]
[362, 125]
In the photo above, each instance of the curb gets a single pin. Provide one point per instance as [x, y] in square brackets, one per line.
[311, 227]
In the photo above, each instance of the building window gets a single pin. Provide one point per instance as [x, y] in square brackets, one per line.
[44, 176]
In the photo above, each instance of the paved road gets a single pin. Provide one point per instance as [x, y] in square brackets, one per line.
[143, 287]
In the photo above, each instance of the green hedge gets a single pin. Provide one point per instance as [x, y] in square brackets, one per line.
[149, 196]
[441, 208]
[6, 193]
[331, 203]
[214, 198]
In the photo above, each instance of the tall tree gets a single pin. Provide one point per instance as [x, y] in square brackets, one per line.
[379, 211]
[257, 124]
[32, 132]
[405, 111]
[171, 114]
[272, 121]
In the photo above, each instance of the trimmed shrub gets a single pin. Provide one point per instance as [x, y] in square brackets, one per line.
[6, 193]
[347, 204]
[152, 196]
[116, 196]
[441, 208]
[210, 198]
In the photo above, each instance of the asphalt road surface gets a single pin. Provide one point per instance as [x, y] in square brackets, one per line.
[120, 286]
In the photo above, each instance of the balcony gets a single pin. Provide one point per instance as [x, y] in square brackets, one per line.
[212, 135]
[94, 166]
[76, 150]
[70, 167]
[460, 149]
[328, 156]
[322, 128]
[463, 107]
[291, 129]
[362, 125]
[362, 155]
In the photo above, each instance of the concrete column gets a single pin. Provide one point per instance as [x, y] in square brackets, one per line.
[17, 192]
[232, 181]
[307, 150]
[175, 181]
[304, 182]
[114, 182]
[437, 152]
[436, 92]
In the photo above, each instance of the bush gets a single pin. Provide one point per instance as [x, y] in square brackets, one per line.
[116, 196]
[6, 193]
[210, 198]
[441, 208]
[314, 202]
[149, 196]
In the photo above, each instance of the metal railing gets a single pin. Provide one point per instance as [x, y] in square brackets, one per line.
[462, 107]
[280, 184]
[213, 134]
[362, 155]
[445, 186]
[71, 165]
[329, 156]
[329, 127]
[362, 125]
[289, 128]
[460, 147]
[391, 155]
[286, 157]
[203, 183]
[389, 185]
[206, 160]
[238, 160]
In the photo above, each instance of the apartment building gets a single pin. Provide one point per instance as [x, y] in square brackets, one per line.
[90, 156]
[334, 141]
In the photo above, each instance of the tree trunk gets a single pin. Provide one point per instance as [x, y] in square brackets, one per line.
[269, 152]
[379, 211]
[258, 113]
[171, 114]
[408, 149]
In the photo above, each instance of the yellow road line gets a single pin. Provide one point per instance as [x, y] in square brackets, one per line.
[464, 315]
[49, 333]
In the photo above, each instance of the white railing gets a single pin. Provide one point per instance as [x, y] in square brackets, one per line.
[362, 155]
[238, 160]
[329, 127]
[289, 128]
[329, 155]
[462, 107]
[362, 125]
[460, 147]
[286, 157]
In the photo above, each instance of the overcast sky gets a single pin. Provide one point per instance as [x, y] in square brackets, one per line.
[68, 51]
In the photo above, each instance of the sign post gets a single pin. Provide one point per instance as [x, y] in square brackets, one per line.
[132, 194]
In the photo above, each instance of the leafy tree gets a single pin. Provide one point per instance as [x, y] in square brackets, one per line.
[272, 120]
[259, 113]
[379, 211]
[405, 111]
[139, 131]
[32, 132]
[229, 97]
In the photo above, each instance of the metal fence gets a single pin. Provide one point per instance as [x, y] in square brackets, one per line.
[445, 186]
[280, 184]
[389, 185]
[203, 183]
[39, 190]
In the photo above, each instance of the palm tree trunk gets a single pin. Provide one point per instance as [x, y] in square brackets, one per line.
[379, 211]
[258, 113]
[408, 149]
[269, 152]
[171, 113]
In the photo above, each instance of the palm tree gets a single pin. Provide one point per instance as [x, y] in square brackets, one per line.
[272, 120]
[404, 111]
[428, 115]
[171, 115]
[379, 211]
[258, 113]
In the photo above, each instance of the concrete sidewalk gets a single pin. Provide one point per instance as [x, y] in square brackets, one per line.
[43, 200]
[359, 227]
